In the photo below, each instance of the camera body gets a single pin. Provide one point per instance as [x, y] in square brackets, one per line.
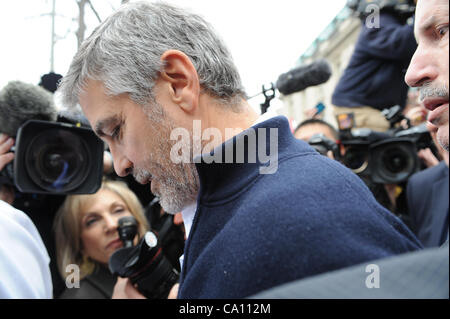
[323, 145]
[144, 264]
[55, 158]
[385, 158]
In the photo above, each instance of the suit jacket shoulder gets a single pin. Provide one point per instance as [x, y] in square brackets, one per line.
[428, 203]
[421, 274]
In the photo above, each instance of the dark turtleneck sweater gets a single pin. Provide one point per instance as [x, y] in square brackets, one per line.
[253, 231]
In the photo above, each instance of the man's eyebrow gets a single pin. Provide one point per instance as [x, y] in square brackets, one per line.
[428, 23]
[100, 125]
[425, 26]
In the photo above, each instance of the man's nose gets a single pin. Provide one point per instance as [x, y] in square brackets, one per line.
[122, 165]
[421, 69]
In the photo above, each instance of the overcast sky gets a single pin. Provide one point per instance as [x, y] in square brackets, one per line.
[265, 37]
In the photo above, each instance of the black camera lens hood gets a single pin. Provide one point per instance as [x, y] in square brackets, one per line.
[126, 261]
[122, 261]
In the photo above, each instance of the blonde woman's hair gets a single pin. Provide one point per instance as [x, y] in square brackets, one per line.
[67, 227]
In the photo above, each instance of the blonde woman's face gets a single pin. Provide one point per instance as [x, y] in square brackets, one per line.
[99, 221]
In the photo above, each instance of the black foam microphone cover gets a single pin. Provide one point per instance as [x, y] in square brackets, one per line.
[304, 76]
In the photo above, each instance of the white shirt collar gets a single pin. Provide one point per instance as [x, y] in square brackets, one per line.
[188, 214]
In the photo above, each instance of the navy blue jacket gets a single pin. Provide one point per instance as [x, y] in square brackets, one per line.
[375, 74]
[427, 196]
[254, 231]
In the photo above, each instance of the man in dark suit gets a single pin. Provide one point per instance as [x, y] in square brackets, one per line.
[428, 202]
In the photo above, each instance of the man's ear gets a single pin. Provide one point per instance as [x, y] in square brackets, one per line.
[181, 78]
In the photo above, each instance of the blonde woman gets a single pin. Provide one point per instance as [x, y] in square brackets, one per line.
[86, 237]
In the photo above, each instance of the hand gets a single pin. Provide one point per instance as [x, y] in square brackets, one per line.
[173, 292]
[6, 192]
[427, 157]
[311, 113]
[5, 145]
[417, 115]
[330, 155]
[124, 289]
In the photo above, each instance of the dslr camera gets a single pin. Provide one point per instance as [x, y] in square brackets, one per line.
[384, 157]
[323, 145]
[148, 264]
[55, 158]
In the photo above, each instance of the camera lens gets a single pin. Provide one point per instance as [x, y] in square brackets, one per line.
[356, 159]
[396, 163]
[57, 160]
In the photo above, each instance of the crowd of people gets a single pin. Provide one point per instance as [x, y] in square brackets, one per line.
[266, 212]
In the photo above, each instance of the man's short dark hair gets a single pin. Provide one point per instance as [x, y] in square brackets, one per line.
[318, 122]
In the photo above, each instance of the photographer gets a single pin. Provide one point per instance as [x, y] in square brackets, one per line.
[86, 236]
[329, 141]
[24, 261]
[56, 153]
[151, 70]
[373, 79]
[21, 102]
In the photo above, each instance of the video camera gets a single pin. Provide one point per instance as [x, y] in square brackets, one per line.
[383, 157]
[404, 9]
[148, 264]
[55, 158]
[55, 152]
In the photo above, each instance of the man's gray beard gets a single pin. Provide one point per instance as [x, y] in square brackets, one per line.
[175, 195]
[178, 189]
[180, 185]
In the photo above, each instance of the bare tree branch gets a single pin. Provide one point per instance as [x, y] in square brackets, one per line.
[81, 25]
[93, 10]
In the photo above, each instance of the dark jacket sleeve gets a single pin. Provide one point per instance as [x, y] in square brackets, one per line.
[375, 73]
[391, 40]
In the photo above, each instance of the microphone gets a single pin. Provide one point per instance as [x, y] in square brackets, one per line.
[20, 102]
[303, 77]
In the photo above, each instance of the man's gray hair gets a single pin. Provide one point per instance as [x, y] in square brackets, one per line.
[124, 54]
